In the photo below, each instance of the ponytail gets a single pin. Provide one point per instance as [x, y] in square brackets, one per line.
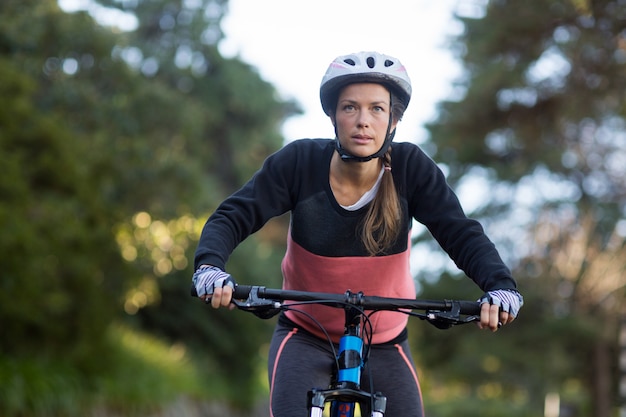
[381, 225]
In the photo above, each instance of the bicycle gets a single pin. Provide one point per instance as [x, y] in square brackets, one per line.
[344, 391]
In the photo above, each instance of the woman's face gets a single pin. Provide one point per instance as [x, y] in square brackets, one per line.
[362, 117]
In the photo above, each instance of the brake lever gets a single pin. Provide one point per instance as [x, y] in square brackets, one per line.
[442, 319]
[260, 307]
[446, 319]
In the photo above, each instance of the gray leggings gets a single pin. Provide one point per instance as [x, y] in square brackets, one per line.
[299, 361]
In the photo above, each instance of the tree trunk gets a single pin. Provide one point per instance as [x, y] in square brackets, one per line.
[601, 382]
[622, 366]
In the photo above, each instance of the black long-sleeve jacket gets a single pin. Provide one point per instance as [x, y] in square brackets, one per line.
[325, 252]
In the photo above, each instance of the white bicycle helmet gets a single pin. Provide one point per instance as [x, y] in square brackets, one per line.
[364, 67]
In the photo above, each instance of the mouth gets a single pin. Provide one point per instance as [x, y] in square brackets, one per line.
[362, 138]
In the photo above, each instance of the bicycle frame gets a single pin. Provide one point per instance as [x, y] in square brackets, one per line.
[345, 392]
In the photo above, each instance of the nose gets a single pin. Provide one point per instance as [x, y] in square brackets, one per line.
[363, 119]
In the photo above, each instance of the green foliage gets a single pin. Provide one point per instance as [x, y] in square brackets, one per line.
[517, 365]
[476, 407]
[534, 75]
[540, 116]
[89, 139]
[40, 386]
[234, 339]
[148, 374]
[52, 224]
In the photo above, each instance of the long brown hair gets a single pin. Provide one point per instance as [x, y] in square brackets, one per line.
[381, 225]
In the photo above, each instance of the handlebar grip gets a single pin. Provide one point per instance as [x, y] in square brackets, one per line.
[242, 291]
[470, 308]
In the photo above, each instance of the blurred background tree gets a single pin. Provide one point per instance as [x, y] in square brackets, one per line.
[537, 135]
[112, 143]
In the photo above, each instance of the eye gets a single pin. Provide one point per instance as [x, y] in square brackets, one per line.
[348, 107]
[379, 109]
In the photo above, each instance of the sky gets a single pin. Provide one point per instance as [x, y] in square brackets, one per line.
[292, 42]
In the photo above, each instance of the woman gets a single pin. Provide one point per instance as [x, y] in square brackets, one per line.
[352, 201]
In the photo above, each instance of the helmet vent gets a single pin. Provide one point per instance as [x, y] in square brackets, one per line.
[363, 67]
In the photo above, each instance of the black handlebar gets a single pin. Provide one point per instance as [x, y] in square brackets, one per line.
[266, 302]
[244, 292]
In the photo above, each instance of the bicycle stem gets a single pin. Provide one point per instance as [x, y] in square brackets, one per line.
[350, 360]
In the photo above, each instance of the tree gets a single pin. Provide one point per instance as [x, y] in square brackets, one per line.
[54, 223]
[93, 142]
[238, 124]
[540, 116]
